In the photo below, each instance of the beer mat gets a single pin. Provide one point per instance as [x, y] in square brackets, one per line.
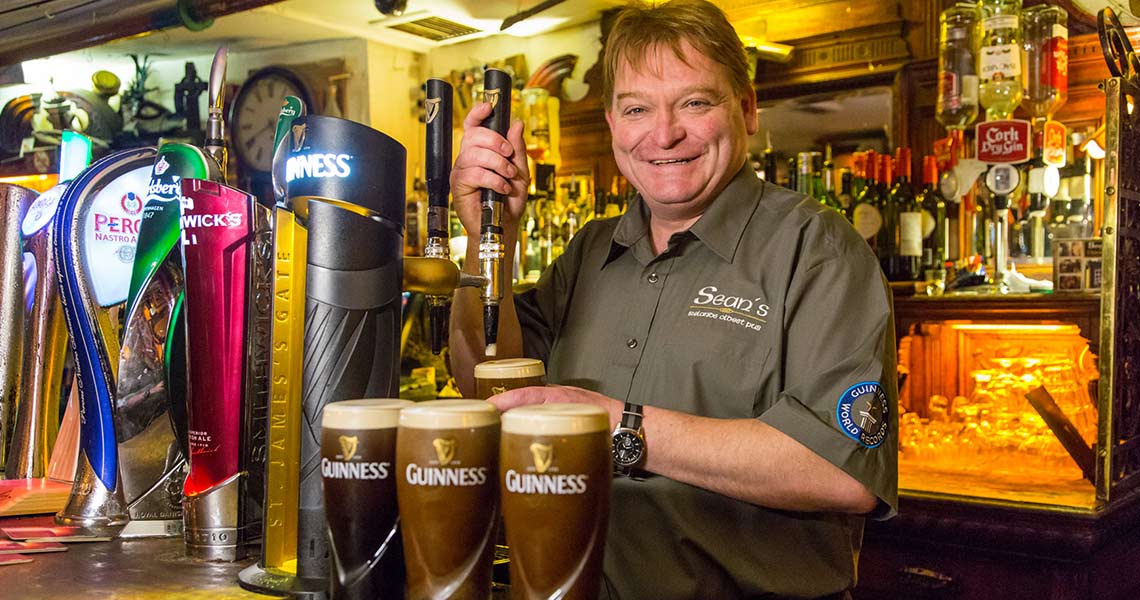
[10, 547]
[14, 559]
[59, 533]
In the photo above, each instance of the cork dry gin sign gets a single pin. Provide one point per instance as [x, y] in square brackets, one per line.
[1003, 142]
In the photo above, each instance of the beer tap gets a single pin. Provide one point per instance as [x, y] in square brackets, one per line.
[41, 377]
[94, 284]
[215, 144]
[496, 92]
[438, 160]
[271, 574]
[14, 203]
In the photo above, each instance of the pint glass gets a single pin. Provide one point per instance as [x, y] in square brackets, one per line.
[447, 455]
[556, 468]
[497, 376]
[358, 458]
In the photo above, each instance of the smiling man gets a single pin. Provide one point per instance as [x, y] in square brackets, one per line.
[739, 334]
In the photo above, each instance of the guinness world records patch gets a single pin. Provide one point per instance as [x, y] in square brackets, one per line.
[864, 413]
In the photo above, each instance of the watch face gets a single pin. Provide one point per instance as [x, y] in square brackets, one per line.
[628, 448]
[254, 122]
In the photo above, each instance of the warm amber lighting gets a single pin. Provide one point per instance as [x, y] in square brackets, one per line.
[39, 182]
[1010, 327]
[965, 425]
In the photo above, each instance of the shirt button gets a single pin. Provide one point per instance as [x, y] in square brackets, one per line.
[632, 343]
[653, 278]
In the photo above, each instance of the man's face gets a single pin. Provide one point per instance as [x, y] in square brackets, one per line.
[680, 133]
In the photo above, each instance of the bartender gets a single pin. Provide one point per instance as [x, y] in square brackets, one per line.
[739, 334]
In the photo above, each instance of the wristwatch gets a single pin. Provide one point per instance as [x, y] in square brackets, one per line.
[629, 440]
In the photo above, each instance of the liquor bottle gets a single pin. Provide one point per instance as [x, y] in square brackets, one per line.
[415, 219]
[769, 162]
[865, 212]
[1059, 215]
[1045, 33]
[999, 64]
[1079, 223]
[558, 242]
[910, 219]
[804, 173]
[545, 236]
[865, 170]
[888, 248]
[613, 201]
[959, 36]
[826, 185]
[531, 263]
[846, 197]
[793, 184]
[935, 229]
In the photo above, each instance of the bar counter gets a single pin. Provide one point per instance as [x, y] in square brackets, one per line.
[120, 569]
[133, 569]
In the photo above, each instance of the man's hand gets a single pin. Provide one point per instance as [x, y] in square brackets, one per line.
[488, 160]
[553, 394]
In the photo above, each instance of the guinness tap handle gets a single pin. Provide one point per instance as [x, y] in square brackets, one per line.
[438, 148]
[497, 92]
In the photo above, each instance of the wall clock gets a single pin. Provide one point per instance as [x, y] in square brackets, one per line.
[253, 116]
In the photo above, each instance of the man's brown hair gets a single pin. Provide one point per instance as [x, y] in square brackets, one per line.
[641, 28]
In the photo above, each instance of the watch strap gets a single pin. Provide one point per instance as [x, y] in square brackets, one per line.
[631, 419]
[631, 416]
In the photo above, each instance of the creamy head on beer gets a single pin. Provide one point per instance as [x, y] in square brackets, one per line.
[510, 368]
[541, 473]
[371, 413]
[556, 419]
[447, 467]
[449, 414]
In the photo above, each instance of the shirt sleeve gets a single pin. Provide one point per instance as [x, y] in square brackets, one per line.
[840, 382]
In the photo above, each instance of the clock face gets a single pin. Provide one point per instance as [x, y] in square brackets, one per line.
[255, 112]
[627, 448]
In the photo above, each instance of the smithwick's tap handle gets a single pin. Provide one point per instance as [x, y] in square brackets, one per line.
[438, 119]
[497, 92]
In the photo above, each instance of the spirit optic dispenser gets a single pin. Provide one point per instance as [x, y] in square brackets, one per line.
[95, 236]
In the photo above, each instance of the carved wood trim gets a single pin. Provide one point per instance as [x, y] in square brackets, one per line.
[855, 54]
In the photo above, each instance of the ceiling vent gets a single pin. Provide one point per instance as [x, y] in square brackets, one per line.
[435, 29]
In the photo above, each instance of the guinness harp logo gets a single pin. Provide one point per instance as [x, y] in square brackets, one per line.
[543, 455]
[491, 96]
[444, 450]
[348, 446]
[299, 133]
[432, 108]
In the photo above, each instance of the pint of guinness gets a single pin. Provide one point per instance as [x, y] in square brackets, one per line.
[446, 460]
[555, 471]
[497, 376]
[358, 469]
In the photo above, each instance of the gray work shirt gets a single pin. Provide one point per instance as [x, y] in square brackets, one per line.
[769, 307]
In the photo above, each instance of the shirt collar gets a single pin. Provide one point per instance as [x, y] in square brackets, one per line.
[720, 227]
